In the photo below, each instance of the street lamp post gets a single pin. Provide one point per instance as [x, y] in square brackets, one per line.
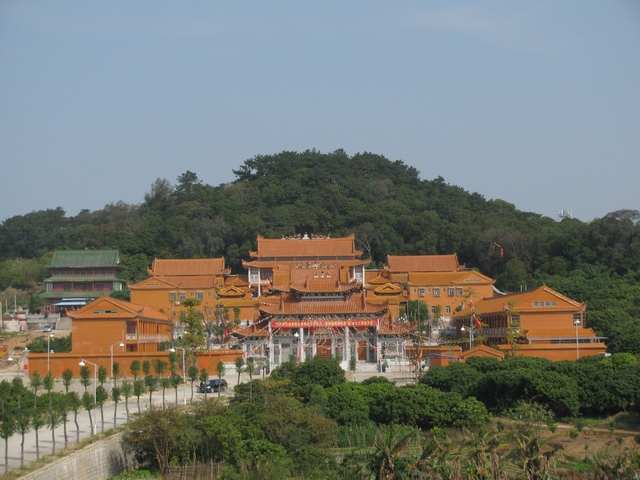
[121, 345]
[576, 323]
[184, 374]
[95, 391]
[462, 329]
[49, 351]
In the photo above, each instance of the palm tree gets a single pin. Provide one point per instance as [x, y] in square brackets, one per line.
[388, 457]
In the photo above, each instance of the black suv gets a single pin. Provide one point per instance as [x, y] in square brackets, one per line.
[214, 386]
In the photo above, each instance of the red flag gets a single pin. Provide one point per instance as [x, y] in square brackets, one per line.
[502, 253]
[477, 322]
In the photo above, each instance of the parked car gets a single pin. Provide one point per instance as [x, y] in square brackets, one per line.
[47, 328]
[214, 385]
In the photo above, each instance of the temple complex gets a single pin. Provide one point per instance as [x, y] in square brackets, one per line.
[312, 301]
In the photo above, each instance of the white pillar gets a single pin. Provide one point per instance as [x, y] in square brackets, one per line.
[347, 347]
[270, 358]
[301, 347]
[259, 286]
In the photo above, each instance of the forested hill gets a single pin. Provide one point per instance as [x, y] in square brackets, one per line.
[386, 204]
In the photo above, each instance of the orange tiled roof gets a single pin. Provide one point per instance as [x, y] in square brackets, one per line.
[151, 283]
[298, 276]
[322, 285]
[236, 281]
[388, 289]
[232, 291]
[389, 327]
[448, 278]
[188, 281]
[311, 248]
[124, 310]
[524, 303]
[238, 302]
[423, 263]
[284, 263]
[251, 331]
[377, 280]
[482, 348]
[384, 299]
[188, 266]
[289, 305]
[370, 275]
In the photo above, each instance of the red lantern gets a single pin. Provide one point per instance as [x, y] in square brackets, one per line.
[285, 329]
[361, 328]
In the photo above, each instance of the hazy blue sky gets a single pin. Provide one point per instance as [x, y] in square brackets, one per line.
[536, 103]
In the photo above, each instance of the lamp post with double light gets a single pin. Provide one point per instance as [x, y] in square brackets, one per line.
[95, 391]
[184, 374]
[121, 345]
[49, 351]
[576, 323]
[471, 328]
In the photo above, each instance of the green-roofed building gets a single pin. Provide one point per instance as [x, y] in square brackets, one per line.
[80, 276]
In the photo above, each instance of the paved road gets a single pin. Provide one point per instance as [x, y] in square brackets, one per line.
[45, 437]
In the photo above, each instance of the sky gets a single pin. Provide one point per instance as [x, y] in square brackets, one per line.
[535, 103]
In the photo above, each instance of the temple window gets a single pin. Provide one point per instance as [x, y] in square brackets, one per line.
[451, 292]
[436, 292]
[447, 309]
[200, 295]
[459, 291]
[172, 296]
[422, 292]
[183, 295]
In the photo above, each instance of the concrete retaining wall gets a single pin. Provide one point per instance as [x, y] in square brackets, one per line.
[100, 461]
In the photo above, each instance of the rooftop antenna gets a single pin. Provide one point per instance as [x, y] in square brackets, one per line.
[562, 214]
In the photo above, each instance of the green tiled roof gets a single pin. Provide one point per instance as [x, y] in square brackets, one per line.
[79, 279]
[85, 258]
